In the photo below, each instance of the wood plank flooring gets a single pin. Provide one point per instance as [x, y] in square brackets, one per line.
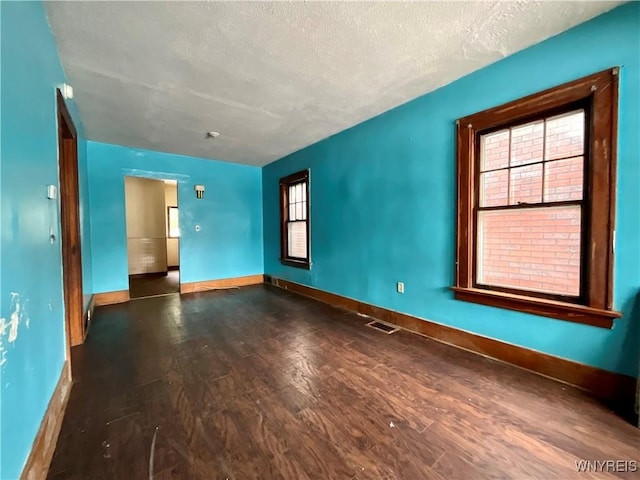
[260, 383]
[148, 285]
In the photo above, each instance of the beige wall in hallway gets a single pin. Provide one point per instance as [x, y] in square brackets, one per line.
[146, 225]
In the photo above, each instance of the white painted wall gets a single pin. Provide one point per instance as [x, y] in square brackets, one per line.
[173, 244]
[146, 225]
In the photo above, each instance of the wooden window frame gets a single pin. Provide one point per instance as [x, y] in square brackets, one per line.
[285, 183]
[169, 221]
[598, 95]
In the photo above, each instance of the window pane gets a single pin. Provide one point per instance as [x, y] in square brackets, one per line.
[292, 194]
[565, 135]
[526, 184]
[534, 249]
[299, 211]
[304, 191]
[494, 188]
[563, 180]
[526, 143]
[292, 211]
[494, 150]
[304, 211]
[297, 239]
[174, 225]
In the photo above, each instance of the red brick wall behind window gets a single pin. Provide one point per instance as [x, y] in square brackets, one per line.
[536, 249]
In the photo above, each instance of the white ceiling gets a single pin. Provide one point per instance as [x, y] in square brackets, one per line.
[275, 77]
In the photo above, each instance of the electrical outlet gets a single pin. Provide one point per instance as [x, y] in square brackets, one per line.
[400, 287]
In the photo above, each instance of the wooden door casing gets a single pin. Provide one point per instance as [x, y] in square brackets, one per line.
[70, 224]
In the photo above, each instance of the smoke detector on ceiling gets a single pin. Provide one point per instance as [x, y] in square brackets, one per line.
[213, 135]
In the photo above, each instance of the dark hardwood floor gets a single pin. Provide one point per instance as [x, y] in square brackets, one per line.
[261, 383]
[148, 285]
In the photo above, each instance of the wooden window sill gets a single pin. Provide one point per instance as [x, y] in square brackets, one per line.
[539, 306]
[296, 263]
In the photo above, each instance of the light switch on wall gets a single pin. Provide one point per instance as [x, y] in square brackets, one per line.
[52, 192]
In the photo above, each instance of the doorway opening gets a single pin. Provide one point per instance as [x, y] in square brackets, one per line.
[153, 236]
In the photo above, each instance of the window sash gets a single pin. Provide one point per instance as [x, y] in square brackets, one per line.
[539, 158]
[526, 152]
[293, 250]
[535, 253]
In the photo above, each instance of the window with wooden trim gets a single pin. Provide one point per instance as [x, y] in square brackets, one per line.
[536, 196]
[294, 230]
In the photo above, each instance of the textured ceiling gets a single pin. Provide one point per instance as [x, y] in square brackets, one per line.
[274, 77]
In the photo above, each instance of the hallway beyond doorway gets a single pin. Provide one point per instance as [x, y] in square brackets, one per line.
[153, 233]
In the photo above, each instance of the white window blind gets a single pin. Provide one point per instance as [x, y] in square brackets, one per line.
[297, 239]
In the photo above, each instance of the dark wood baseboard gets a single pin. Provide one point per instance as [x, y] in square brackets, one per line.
[614, 388]
[44, 444]
[109, 298]
[193, 287]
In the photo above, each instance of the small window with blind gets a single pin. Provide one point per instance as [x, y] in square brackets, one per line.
[294, 207]
[536, 196]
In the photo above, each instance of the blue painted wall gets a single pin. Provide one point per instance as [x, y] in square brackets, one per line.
[30, 267]
[229, 243]
[383, 198]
